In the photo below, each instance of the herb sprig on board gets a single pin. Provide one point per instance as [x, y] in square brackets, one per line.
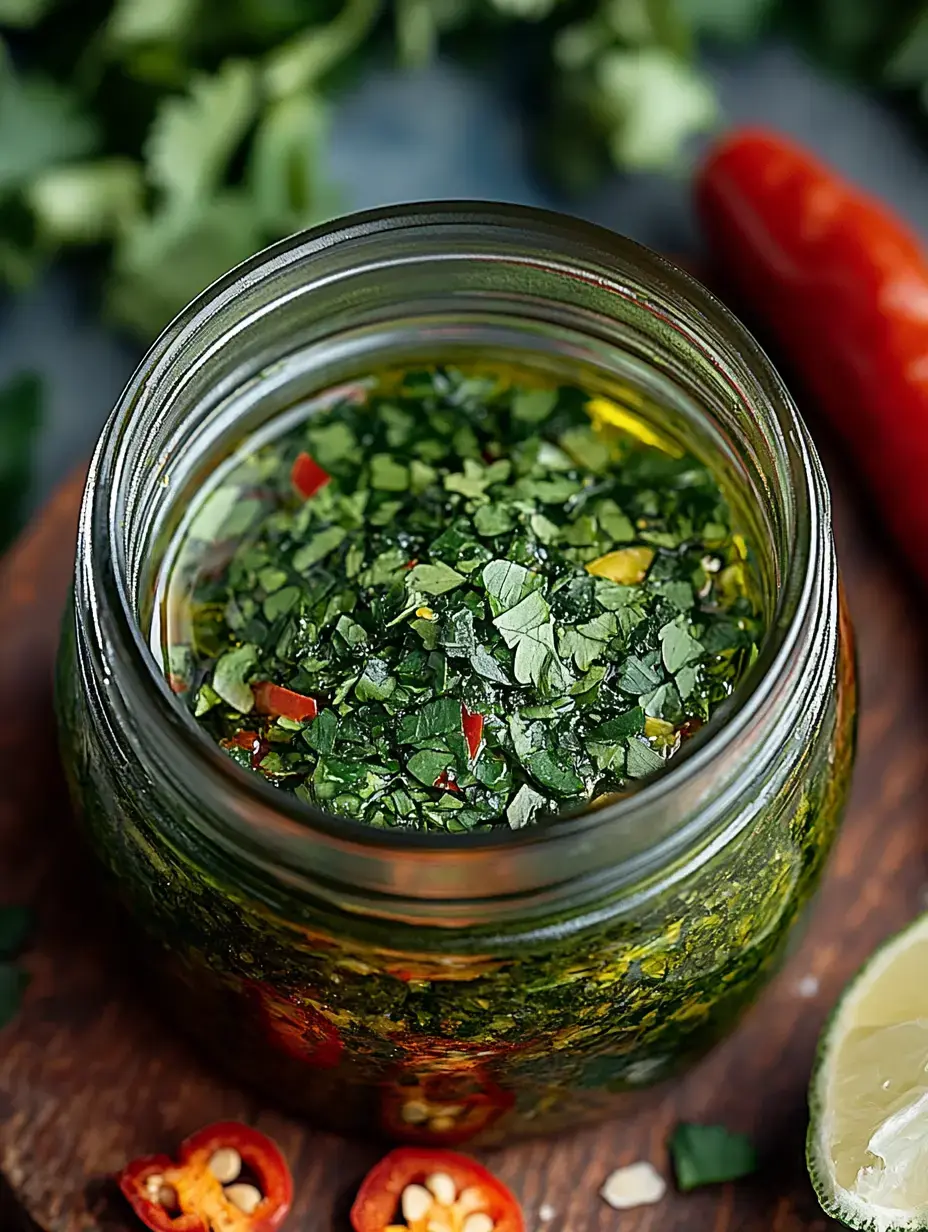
[450, 601]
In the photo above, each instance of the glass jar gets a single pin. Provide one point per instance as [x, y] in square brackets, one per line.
[457, 988]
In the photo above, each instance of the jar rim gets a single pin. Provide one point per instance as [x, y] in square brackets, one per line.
[589, 251]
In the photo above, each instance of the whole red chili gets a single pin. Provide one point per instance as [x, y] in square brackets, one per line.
[416, 1188]
[273, 699]
[841, 283]
[227, 1176]
[307, 476]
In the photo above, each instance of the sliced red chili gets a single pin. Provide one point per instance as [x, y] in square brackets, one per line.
[446, 1108]
[308, 476]
[227, 1176]
[379, 1203]
[473, 730]
[280, 703]
[252, 743]
[177, 684]
[445, 782]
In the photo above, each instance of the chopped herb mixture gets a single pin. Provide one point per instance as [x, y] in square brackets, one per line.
[450, 601]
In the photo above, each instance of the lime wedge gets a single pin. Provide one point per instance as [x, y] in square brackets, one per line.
[867, 1148]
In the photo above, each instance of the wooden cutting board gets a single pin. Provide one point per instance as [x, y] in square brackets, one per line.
[90, 1076]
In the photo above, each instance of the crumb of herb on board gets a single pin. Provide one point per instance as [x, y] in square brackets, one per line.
[710, 1155]
[638, 1184]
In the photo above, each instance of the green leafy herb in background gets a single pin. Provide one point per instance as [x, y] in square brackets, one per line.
[181, 135]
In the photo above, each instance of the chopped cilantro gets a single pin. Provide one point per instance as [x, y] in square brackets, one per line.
[490, 605]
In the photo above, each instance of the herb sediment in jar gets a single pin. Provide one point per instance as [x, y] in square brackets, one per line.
[456, 599]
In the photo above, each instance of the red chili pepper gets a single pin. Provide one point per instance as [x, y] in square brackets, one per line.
[842, 285]
[252, 743]
[206, 1189]
[445, 782]
[299, 1030]
[307, 476]
[275, 700]
[444, 1108]
[473, 730]
[379, 1203]
[177, 684]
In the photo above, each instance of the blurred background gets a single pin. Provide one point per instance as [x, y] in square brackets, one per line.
[148, 145]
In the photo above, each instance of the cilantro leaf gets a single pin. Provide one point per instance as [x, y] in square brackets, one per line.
[678, 646]
[428, 764]
[552, 768]
[163, 260]
[375, 684]
[41, 126]
[194, 135]
[230, 675]
[524, 807]
[434, 719]
[532, 406]
[587, 642]
[528, 629]
[318, 548]
[436, 579]
[85, 203]
[641, 759]
[710, 1155]
[654, 101]
[132, 22]
[23, 13]
[508, 583]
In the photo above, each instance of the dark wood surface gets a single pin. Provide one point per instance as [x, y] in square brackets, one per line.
[90, 1076]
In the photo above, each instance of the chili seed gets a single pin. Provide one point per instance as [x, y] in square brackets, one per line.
[158, 1190]
[470, 1199]
[480, 1221]
[441, 1124]
[225, 1164]
[415, 1112]
[443, 1188]
[246, 1197]
[415, 1203]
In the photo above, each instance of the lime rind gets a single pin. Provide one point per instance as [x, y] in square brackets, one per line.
[837, 1200]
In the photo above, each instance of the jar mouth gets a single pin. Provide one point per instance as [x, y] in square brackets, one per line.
[609, 269]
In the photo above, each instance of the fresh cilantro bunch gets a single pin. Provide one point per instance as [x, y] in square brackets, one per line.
[179, 136]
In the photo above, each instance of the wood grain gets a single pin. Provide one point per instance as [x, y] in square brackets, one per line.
[90, 1076]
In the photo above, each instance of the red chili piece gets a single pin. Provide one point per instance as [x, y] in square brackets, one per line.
[202, 1191]
[378, 1204]
[445, 782]
[252, 743]
[443, 1109]
[473, 730]
[274, 700]
[841, 283]
[299, 1030]
[308, 476]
